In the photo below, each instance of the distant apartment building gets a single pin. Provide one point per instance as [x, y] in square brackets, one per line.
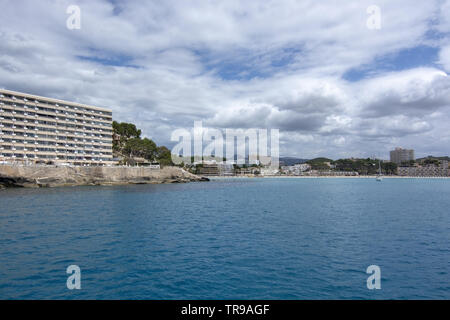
[39, 129]
[296, 169]
[400, 155]
[249, 170]
[267, 171]
[430, 170]
[208, 169]
[226, 169]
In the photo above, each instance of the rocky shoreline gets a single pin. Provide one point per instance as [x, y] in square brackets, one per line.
[56, 176]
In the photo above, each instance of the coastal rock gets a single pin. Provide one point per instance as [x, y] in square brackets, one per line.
[54, 176]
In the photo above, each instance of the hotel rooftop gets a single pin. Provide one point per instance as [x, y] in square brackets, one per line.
[36, 129]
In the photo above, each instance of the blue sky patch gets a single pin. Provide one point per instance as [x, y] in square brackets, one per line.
[244, 64]
[116, 60]
[420, 56]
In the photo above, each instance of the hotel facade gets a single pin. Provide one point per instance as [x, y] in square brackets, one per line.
[36, 129]
[400, 155]
[430, 170]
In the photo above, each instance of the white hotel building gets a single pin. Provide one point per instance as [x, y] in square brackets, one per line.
[35, 129]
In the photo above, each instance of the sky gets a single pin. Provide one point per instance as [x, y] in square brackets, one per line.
[318, 71]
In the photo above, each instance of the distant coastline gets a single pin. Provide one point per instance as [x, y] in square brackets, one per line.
[319, 177]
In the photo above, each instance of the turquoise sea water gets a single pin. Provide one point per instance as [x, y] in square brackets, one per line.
[229, 239]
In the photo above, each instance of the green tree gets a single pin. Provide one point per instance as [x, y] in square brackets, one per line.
[128, 143]
[148, 149]
[122, 133]
[144, 148]
[132, 147]
[164, 156]
[127, 130]
[389, 167]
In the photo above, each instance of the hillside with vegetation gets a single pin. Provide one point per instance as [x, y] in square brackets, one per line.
[132, 149]
[432, 160]
[362, 166]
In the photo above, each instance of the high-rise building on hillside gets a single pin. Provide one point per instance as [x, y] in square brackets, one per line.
[400, 155]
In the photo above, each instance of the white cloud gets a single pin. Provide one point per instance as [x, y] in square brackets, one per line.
[444, 57]
[277, 64]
